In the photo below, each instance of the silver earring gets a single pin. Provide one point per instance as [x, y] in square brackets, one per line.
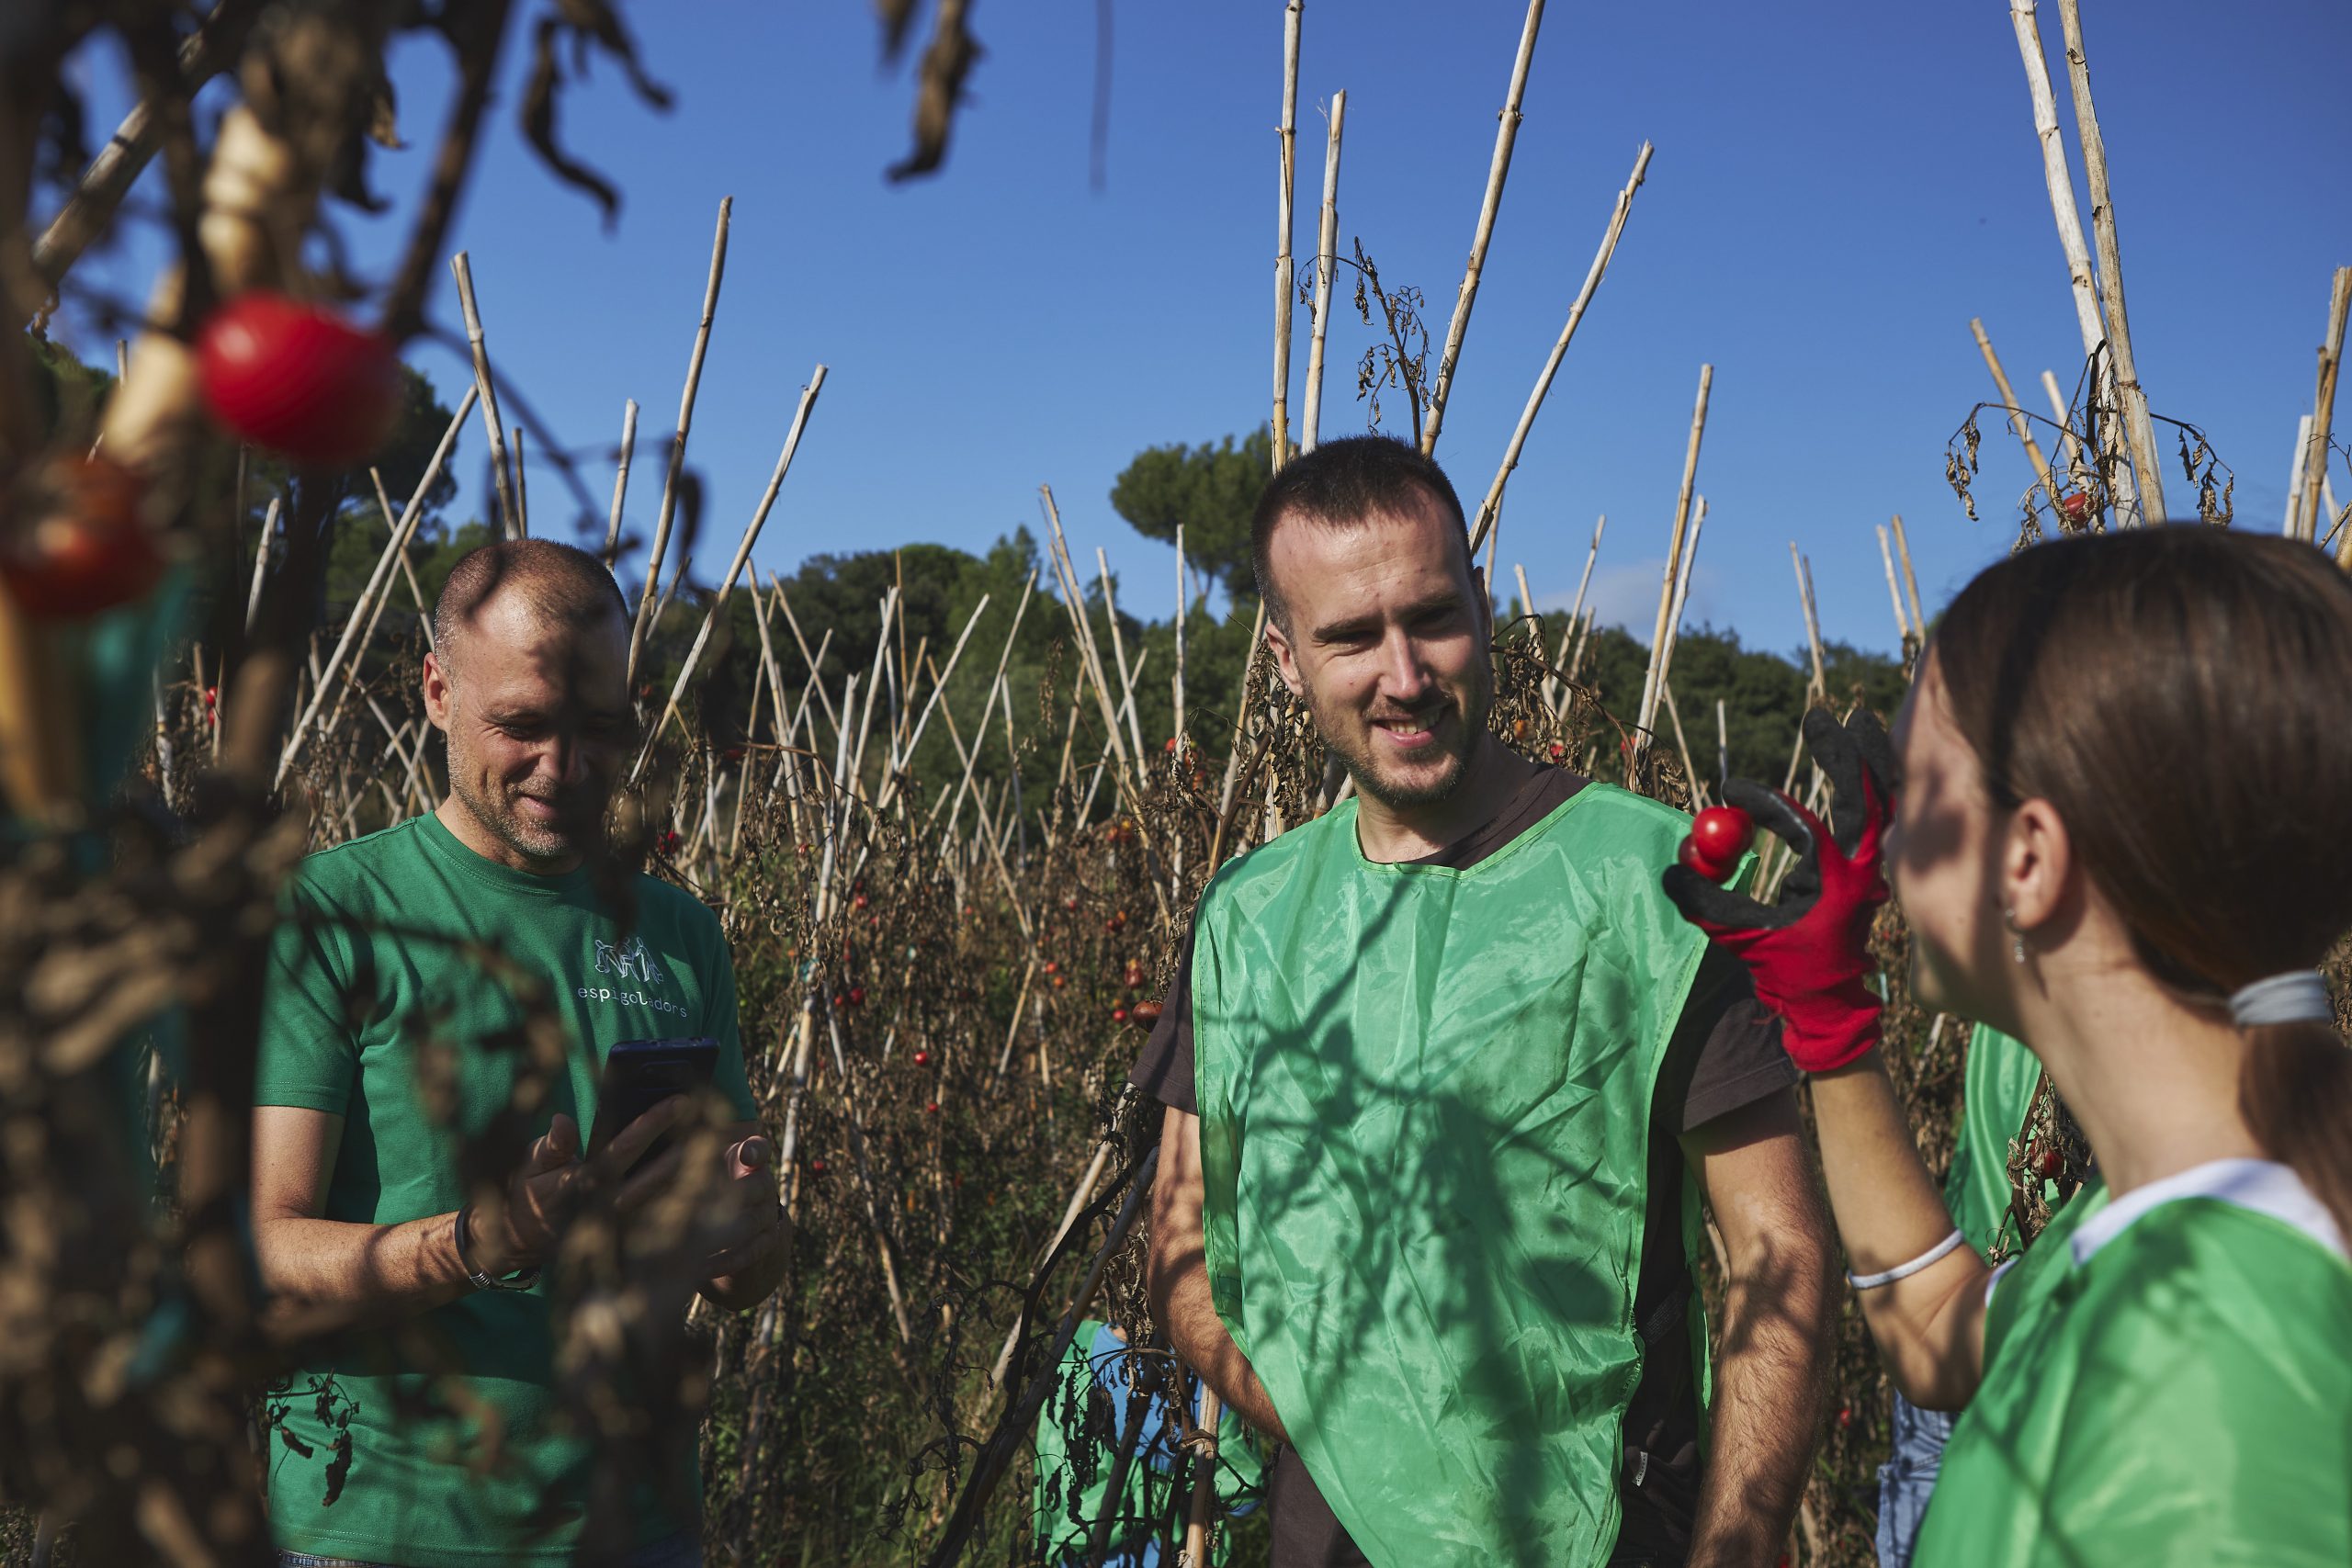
[2016, 937]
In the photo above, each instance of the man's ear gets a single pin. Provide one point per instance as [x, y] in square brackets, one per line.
[1285, 659]
[438, 703]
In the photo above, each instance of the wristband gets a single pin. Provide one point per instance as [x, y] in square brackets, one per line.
[520, 1279]
[1933, 1255]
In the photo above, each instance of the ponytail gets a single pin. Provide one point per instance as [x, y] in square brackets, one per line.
[2295, 1092]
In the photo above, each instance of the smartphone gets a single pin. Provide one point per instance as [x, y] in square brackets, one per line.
[639, 1075]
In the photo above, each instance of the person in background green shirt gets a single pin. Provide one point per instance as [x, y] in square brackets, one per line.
[359, 1206]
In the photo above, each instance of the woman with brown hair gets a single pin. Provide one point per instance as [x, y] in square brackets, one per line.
[2121, 835]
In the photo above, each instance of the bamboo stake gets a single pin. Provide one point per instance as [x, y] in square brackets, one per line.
[1491, 510]
[1910, 583]
[1183, 606]
[620, 484]
[938, 692]
[735, 568]
[1326, 250]
[2068, 217]
[824, 699]
[408, 572]
[1812, 626]
[2147, 463]
[1674, 555]
[1722, 743]
[1074, 600]
[522, 490]
[379, 581]
[1119, 652]
[2018, 422]
[1196, 1522]
[2331, 361]
[1681, 592]
[678, 442]
[462, 267]
[1284, 285]
[1894, 594]
[2294, 525]
[261, 564]
[1506, 134]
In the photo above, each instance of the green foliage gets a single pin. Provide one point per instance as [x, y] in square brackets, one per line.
[1210, 489]
[68, 392]
[1763, 693]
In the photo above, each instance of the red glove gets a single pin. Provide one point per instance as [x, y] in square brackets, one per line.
[1810, 952]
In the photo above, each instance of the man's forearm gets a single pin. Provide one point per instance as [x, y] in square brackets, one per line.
[329, 1274]
[1776, 1352]
[1188, 1311]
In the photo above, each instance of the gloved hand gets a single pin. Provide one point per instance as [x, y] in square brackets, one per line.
[1810, 952]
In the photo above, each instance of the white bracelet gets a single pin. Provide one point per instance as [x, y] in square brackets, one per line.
[1933, 1255]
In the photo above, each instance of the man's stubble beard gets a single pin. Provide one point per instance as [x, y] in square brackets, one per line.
[1361, 766]
[567, 838]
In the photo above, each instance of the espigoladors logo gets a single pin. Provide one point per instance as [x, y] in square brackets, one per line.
[626, 962]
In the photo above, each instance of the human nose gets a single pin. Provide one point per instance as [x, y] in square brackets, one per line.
[1403, 674]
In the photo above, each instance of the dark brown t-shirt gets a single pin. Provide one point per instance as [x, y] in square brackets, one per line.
[1726, 1053]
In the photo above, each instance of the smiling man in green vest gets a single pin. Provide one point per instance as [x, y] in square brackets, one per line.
[359, 1206]
[1437, 1066]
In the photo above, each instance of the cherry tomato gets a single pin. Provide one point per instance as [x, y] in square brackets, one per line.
[1691, 856]
[932, 1109]
[817, 1166]
[300, 379]
[858, 996]
[82, 549]
[1722, 833]
[1171, 747]
[2047, 1163]
[1118, 1015]
[1144, 1013]
[1558, 751]
[922, 1058]
[2076, 506]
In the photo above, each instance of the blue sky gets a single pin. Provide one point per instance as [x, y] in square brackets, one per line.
[1837, 188]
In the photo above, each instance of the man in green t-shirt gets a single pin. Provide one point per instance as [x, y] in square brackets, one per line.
[387, 1044]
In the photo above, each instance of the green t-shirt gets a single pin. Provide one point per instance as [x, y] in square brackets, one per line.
[340, 1019]
[1998, 1089]
[2168, 1380]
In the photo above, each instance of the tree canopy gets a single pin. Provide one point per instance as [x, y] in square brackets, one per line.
[1211, 490]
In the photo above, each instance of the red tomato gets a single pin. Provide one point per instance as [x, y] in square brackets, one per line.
[2076, 506]
[1722, 833]
[817, 1166]
[2047, 1163]
[932, 1109]
[1691, 856]
[922, 1058]
[85, 549]
[1558, 751]
[858, 996]
[1171, 747]
[1118, 1015]
[300, 379]
[1145, 1014]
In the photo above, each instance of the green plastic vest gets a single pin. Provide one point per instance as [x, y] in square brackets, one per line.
[1996, 1093]
[2182, 1396]
[1425, 1099]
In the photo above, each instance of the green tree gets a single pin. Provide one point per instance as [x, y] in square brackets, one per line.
[1211, 490]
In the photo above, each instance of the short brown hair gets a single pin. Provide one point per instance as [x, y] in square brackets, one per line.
[2177, 696]
[1339, 484]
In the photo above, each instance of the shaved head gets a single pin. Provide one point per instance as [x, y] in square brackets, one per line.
[559, 584]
